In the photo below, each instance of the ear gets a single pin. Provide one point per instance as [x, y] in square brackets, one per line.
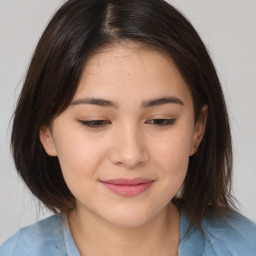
[199, 129]
[46, 139]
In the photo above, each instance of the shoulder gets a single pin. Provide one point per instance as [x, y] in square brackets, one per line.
[231, 234]
[44, 236]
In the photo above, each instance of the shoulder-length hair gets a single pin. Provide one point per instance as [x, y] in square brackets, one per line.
[76, 31]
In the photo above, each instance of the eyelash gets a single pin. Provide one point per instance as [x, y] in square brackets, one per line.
[161, 122]
[95, 123]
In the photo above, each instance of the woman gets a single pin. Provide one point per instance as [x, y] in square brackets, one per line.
[121, 130]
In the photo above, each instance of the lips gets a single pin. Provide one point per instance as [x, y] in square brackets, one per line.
[128, 187]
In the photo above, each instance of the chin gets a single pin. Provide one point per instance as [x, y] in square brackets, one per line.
[130, 218]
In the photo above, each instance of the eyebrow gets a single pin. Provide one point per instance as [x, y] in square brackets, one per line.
[113, 104]
[95, 101]
[161, 101]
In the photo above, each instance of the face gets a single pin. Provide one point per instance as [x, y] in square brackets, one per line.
[125, 140]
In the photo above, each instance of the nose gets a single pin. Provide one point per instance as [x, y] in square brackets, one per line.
[129, 148]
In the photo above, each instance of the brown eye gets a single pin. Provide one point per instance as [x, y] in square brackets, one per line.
[161, 122]
[94, 123]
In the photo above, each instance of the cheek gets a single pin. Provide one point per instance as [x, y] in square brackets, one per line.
[79, 161]
[174, 150]
[172, 157]
[78, 157]
[174, 164]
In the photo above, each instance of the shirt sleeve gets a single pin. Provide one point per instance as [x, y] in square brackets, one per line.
[8, 247]
[232, 234]
[40, 239]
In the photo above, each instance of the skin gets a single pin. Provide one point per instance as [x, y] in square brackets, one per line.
[128, 143]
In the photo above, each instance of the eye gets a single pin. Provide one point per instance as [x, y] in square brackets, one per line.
[161, 122]
[94, 123]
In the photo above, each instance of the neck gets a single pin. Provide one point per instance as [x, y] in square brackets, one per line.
[95, 236]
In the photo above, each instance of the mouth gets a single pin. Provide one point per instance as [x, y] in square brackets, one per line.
[128, 187]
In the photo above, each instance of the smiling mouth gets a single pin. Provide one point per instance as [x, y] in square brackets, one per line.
[128, 187]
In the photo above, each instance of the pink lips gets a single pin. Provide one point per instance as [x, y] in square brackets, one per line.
[128, 187]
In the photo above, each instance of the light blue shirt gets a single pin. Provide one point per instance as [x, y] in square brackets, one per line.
[222, 236]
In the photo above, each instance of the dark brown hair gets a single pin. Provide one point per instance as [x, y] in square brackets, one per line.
[78, 29]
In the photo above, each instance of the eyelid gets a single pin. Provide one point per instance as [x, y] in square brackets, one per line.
[162, 122]
[95, 123]
[98, 123]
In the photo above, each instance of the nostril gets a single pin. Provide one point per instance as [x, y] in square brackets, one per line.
[129, 157]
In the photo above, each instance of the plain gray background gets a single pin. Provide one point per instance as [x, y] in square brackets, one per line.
[228, 27]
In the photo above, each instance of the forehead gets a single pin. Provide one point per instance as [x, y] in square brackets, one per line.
[131, 71]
